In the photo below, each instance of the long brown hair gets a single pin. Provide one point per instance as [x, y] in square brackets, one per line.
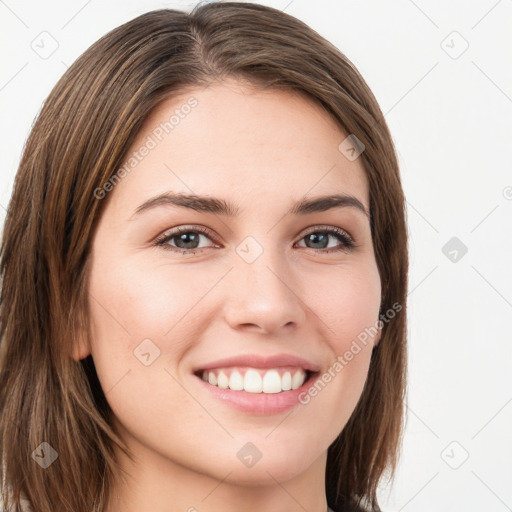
[77, 143]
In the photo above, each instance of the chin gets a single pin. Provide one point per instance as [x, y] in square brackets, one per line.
[280, 465]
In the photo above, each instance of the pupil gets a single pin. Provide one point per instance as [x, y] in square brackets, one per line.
[315, 238]
[184, 237]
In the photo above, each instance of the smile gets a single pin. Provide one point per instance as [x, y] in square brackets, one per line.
[256, 380]
[255, 400]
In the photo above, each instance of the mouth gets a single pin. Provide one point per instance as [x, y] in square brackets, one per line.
[247, 379]
[257, 384]
[256, 391]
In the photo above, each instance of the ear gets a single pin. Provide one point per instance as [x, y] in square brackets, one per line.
[377, 337]
[380, 325]
[80, 344]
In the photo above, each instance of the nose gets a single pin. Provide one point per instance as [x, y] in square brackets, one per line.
[264, 296]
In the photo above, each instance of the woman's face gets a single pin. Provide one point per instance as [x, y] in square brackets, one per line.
[250, 283]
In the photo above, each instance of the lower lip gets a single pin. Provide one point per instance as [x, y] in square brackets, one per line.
[258, 403]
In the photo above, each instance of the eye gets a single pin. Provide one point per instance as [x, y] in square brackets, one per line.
[186, 239]
[318, 238]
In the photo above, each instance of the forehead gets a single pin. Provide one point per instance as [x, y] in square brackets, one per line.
[232, 138]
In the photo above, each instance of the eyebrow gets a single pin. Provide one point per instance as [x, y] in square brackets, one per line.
[221, 207]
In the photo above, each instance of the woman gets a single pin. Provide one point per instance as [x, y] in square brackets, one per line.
[204, 270]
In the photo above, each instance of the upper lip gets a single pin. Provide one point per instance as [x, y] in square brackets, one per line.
[258, 361]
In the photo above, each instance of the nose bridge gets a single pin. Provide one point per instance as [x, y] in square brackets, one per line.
[262, 288]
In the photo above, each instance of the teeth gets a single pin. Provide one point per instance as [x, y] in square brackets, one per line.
[297, 380]
[272, 382]
[286, 383]
[222, 380]
[256, 381]
[252, 382]
[236, 381]
[212, 379]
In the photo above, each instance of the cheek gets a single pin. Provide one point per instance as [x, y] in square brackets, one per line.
[349, 313]
[135, 300]
[145, 320]
[142, 327]
[348, 305]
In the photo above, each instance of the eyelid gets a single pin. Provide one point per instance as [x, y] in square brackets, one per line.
[172, 232]
[329, 228]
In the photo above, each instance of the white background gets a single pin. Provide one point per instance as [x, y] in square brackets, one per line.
[450, 114]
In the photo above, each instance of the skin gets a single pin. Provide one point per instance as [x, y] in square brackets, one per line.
[263, 151]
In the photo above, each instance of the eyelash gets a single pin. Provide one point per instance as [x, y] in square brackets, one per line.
[348, 243]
